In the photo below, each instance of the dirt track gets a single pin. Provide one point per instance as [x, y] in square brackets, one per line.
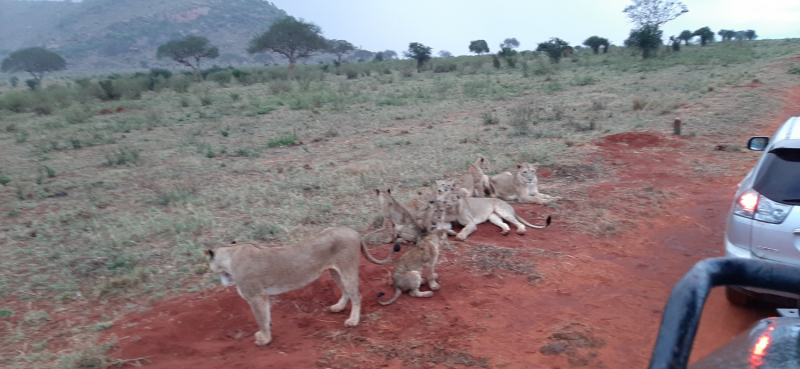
[553, 298]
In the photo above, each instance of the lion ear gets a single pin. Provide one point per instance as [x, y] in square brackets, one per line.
[210, 253]
[377, 191]
[389, 191]
[519, 165]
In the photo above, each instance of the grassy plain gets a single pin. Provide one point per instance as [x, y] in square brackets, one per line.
[96, 208]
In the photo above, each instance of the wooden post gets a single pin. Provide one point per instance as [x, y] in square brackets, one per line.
[676, 126]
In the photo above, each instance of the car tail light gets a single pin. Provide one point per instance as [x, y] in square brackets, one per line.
[747, 203]
[755, 206]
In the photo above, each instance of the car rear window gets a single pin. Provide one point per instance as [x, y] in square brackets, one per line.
[779, 177]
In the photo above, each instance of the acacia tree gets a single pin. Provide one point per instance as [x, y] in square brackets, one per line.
[686, 36]
[654, 12]
[339, 48]
[419, 52]
[706, 35]
[510, 43]
[750, 34]
[445, 54]
[478, 47]
[292, 38]
[646, 38]
[554, 48]
[186, 49]
[595, 42]
[34, 60]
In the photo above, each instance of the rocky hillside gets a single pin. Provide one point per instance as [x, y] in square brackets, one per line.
[112, 34]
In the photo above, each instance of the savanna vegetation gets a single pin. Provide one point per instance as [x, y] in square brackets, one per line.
[112, 185]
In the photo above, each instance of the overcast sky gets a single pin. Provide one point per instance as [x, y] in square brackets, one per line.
[450, 25]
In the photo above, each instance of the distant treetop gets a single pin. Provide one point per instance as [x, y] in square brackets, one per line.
[33, 60]
[654, 12]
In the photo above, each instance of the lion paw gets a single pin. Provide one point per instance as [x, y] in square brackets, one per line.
[434, 286]
[504, 232]
[352, 322]
[262, 340]
[337, 308]
[520, 230]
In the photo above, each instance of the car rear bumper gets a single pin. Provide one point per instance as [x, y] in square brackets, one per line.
[776, 297]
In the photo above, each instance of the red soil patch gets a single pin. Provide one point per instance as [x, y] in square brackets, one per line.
[552, 298]
[106, 112]
[119, 109]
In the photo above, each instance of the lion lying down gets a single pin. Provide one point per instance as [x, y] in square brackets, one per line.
[258, 272]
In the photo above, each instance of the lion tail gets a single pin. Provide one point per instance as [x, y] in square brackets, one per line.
[376, 261]
[397, 293]
[525, 222]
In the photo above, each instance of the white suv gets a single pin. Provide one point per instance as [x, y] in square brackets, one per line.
[764, 221]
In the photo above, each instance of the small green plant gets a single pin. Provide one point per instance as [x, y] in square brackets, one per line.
[36, 317]
[101, 326]
[246, 152]
[39, 346]
[4, 312]
[21, 136]
[123, 156]
[266, 232]
[552, 87]
[224, 132]
[235, 96]
[794, 70]
[76, 143]
[490, 117]
[205, 100]
[4, 180]
[521, 117]
[184, 101]
[282, 141]
[265, 110]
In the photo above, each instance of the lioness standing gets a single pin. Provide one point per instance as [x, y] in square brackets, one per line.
[416, 262]
[474, 181]
[522, 185]
[258, 271]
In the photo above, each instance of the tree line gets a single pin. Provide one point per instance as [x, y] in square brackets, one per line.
[296, 39]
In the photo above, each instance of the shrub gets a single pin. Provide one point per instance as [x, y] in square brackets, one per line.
[445, 68]
[222, 77]
[43, 110]
[282, 141]
[351, 73]
[794, 71]
[496, 61]
[32, 83]
[4, 180]
[554, 48]
[180, 84]
[77, 115]
[490, 117]
[521, 116]
[155, 72]
[265, 110]
[639, 104]
[107, 91]
[279, 86]
[123, 156]
[17, 102]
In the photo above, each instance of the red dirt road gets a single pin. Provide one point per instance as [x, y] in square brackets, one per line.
[553, 298]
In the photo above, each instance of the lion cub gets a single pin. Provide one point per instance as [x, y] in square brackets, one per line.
[416, 262]
[474, 181]
[521, 185]
[398, 219]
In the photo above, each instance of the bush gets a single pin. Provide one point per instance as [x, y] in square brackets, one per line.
[13, 81]
[32, 83]
[445, 68]
[639, 104]
[155, 72]
[282, 141]
[222, 78]
[180, 84]
[17, 102]
[351, 73]
[77, 115]
[107, 91]
[521, 117]
[794, 71]
[279, 86]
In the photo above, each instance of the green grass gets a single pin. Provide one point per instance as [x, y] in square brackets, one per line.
[282, 141]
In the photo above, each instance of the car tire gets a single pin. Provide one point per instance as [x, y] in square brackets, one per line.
[737, 297]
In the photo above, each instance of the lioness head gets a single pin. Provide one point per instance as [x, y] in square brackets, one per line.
[526, 172]
[215, 265]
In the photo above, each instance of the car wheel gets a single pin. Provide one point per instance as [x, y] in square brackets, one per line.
[737, 297]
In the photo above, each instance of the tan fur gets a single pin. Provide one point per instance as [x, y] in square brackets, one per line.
[471, 211]
[475, 181]
[444, 187]
[414, 264]
[398, 219]
[258, 272]
[522, 185]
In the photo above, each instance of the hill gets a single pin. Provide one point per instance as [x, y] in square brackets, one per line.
[113, 34]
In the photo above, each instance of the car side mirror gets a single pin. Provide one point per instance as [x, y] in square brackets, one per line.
[758, 143]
